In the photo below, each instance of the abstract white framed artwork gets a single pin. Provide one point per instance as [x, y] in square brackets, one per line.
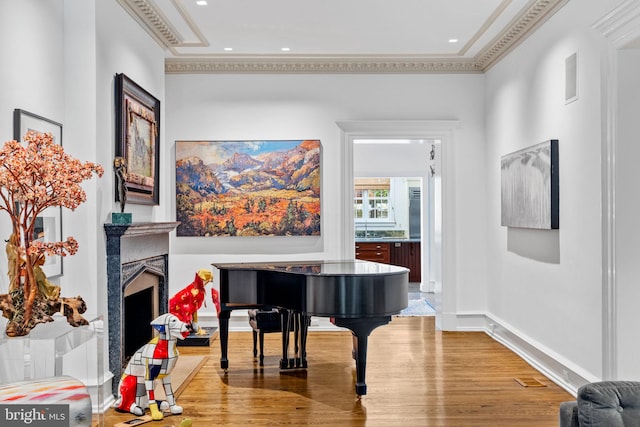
[530, 190]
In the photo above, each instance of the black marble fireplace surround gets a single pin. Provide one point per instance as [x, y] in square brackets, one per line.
[133, 250]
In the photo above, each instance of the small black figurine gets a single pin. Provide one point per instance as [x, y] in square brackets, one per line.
[120, 166]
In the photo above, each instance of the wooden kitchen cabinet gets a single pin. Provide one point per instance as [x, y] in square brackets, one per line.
[404, 254]
[407, 254]
[373, 251]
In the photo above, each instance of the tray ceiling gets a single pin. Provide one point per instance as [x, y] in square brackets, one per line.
[338, 36]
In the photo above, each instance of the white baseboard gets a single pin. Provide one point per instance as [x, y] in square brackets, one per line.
[551, 366]
[429, 286]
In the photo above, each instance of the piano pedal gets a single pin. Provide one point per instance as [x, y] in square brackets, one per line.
[293, 363]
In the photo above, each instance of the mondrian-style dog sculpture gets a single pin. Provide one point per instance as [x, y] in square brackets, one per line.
[152, 361]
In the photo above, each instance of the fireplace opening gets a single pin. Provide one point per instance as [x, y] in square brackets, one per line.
[141, 306]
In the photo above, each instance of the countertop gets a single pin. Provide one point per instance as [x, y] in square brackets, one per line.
[386, 240]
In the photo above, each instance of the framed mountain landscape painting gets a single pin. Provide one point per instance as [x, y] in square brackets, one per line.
[248, 188]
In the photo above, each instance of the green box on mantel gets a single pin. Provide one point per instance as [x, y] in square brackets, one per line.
[120, 218]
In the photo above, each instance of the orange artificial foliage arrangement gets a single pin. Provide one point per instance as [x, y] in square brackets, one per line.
[36, 175]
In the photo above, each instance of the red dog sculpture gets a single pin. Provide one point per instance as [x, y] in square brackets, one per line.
[186, 303]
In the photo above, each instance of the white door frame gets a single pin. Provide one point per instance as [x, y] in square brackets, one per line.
[442, 130]
[620, 27]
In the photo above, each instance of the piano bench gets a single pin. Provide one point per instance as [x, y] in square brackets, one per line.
[263, 321]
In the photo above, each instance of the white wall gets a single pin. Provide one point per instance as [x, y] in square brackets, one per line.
[394, 160]
[60, 61]
[47, 74]
[63, 65]
[80, 138]
[391, 159]
[30, 79]
[236, 107]
[31, 75]
[122, 46]
[627, 239]
[546, 285]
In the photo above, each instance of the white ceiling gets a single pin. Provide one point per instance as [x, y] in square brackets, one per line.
[338, 35]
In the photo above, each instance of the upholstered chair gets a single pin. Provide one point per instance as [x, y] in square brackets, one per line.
[603, 404]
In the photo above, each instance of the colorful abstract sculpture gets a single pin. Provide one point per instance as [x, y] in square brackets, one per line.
[186, 303]
[152, 361]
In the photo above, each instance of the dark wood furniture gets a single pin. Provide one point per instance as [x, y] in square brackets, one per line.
[266, 320]
[373, 251]
[407, 254]
[403, 253]
[263, 321]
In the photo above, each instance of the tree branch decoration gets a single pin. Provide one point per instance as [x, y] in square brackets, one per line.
[35, 176]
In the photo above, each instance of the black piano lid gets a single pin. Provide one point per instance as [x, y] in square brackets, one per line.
[318, 268]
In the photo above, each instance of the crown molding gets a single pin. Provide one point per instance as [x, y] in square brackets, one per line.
[319, 64]
[153, 21]
[156, 24]
[621, 25]
[518, 30]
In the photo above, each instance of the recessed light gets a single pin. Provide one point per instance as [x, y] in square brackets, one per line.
[286, 49]
[201, 2]
[228, 49]
[453, 40]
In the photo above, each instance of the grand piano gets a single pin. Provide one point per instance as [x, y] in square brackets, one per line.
[357, 295]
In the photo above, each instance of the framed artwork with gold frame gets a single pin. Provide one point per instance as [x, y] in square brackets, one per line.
[138, 140]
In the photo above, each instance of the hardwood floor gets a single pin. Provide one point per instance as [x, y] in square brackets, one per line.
[416, 376]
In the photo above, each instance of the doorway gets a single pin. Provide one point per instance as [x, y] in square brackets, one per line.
[434, 164]
[398, 170]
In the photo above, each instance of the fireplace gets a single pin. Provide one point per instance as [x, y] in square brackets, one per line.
[137, 286]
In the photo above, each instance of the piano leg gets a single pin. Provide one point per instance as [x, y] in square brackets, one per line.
[223, 322]
[305, 320]
[300, 324]
[361, 329]
[286, 327]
